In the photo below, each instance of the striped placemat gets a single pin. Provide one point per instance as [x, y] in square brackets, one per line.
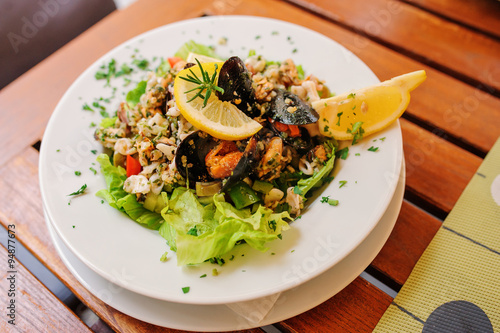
[455, 286]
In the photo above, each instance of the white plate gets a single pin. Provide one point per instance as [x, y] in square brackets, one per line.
[127, 254]
[208, 317]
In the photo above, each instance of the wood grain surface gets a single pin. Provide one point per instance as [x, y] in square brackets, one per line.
[480, 14]
[444, 44]
[36, 309]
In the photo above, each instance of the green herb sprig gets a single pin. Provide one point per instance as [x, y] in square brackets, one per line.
[206, 84]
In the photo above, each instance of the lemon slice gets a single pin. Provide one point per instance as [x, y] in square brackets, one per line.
[376, 106]
[220, 119]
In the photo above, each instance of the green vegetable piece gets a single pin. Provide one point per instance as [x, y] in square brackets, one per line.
[134, 95]
[242, 195]
[262, 187]
[185, 290]
[80, 191]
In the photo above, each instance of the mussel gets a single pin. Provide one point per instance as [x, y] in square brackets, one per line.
[190, 157]
[289, 109]
[198, 153]
[236, 81]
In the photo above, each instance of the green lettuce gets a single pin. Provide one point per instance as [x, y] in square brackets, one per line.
[219, 227]
[196, 232]
[121, 200]
[192, 46]
[134, 95]
[304, 185]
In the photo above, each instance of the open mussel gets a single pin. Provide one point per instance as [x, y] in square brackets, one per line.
[201, 158]
[289, 109]
[236, 81]
[190, 157]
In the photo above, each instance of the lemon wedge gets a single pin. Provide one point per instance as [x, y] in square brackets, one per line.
[218, 118]
[375, 106]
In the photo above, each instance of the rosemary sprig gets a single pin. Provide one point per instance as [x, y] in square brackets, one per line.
[206, 84]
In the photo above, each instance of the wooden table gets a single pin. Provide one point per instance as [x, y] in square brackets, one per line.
[452, 122]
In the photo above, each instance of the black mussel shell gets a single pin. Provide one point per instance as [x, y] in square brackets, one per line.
[190, 157]
[246, 164]
[236, 81]
[288, 108]
[301, 143]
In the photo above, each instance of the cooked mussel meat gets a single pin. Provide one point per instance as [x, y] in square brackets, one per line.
[203, 158]
[236, 81]
[288, 108]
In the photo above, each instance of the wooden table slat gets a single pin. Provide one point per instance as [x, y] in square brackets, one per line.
[35, 308]
[429, 38]
[357, 308]
[436, 170]
[412, 233]
[480, 14]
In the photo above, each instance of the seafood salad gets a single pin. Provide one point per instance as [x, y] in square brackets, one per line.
[203, 192]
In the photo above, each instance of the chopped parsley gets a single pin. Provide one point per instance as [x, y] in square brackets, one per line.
[193, 231]
[93, 170]
[342, 183]
[357, 154]
[202, 276]
[257, 37]
[351, 95]
[106, 75]
[97, 105]
[357, 132]
[331, 202]
[104, 114]
[382, 139]
[141, 64]
[342, 153]
[58, 150]
[93, 151]
[124, 70]
[87, 107]
[215, 272]
[80, 191]
[297, 190]
[185, 290]
[373, 149]
[92, 124]
[78, 173]
[294, 50]
[272, 225]
[163, 257]
[338, 116]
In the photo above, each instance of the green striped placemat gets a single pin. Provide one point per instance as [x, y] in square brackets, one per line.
[455, 286]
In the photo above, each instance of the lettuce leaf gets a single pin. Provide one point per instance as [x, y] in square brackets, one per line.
[192, 46]
[121, 200]
[219, 225]
[134, 95]
[196, 232]
[304, 185]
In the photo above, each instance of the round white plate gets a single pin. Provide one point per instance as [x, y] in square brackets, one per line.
[127, 254]
[208, 317]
